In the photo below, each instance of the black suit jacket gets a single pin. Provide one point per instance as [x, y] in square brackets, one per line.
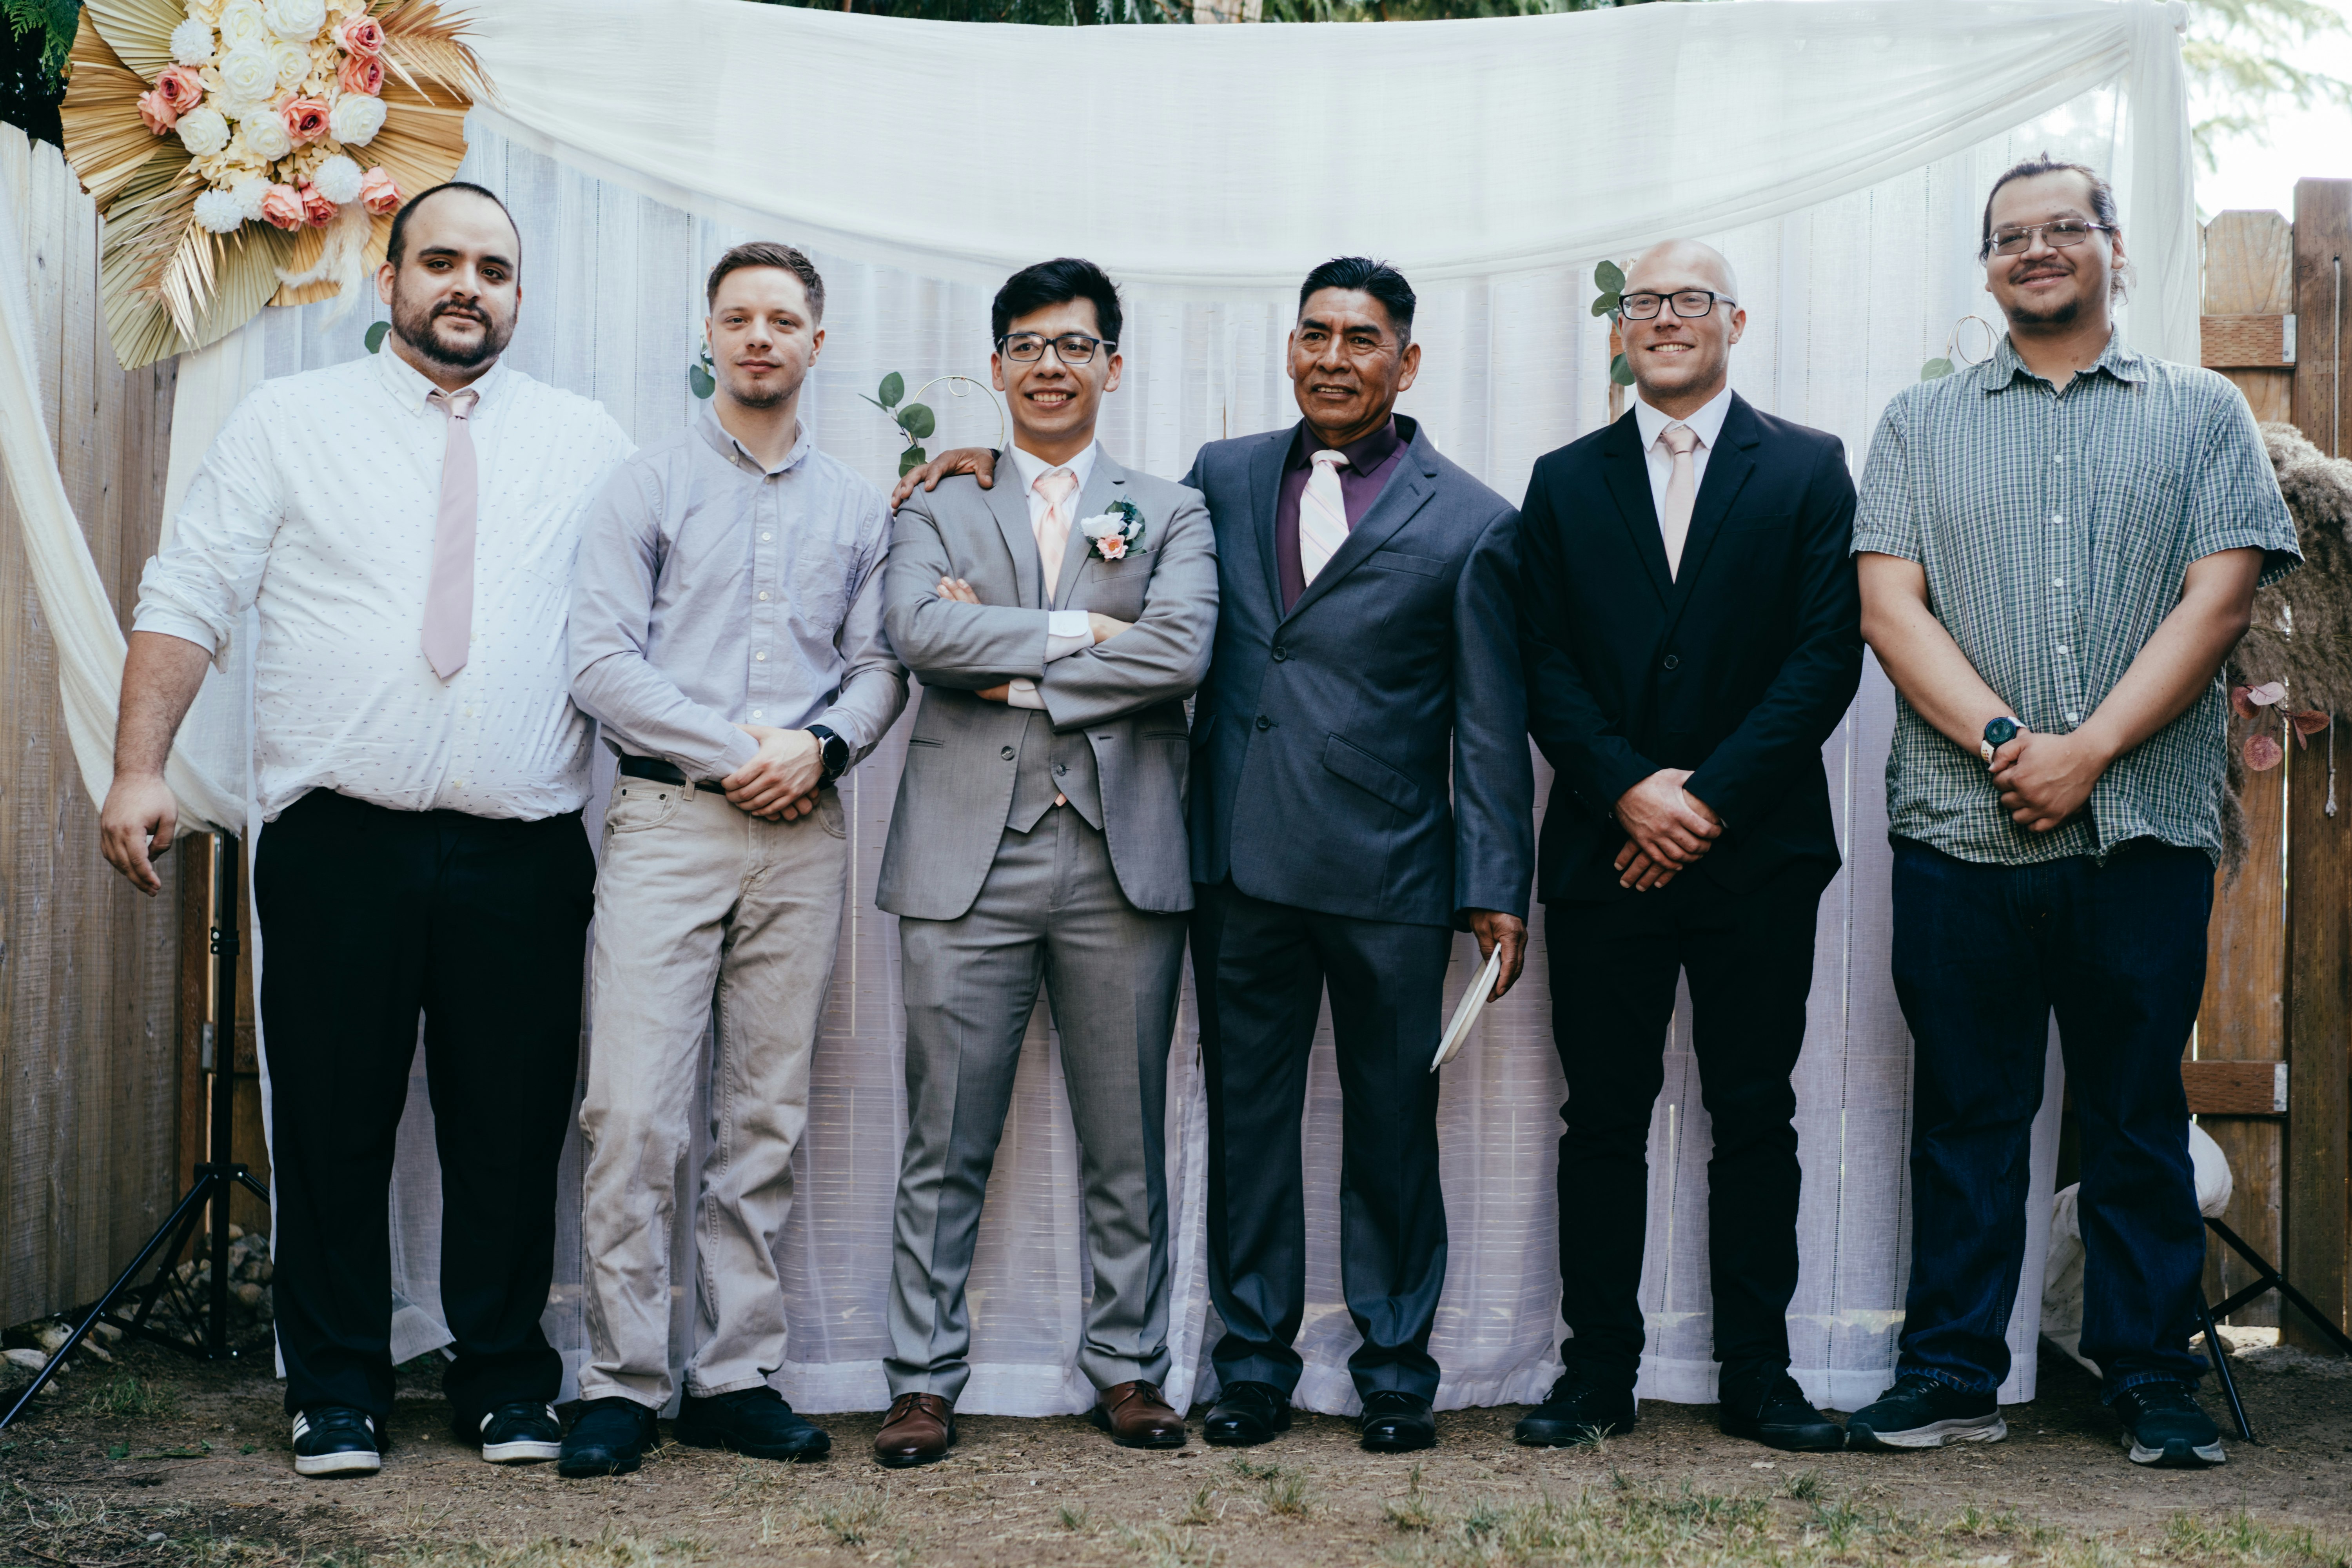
[1324, 740]
[1737, 667]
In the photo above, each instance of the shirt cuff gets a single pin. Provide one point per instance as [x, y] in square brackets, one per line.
[1066, 631]
[178, 624]
[1023, 693]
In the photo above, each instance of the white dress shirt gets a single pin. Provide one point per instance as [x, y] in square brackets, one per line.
[316, 506]
[1707, 424]
[1066, 631]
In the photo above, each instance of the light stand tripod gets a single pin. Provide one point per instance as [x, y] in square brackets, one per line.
[215, 1179]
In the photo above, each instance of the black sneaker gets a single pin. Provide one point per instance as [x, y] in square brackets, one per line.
[753, 1421]
[1577, 1411]
[2164, 1426]
[608, 1438]
[519, 1434]
[1920, 1412]
[1778, 1414]
[336, 1440]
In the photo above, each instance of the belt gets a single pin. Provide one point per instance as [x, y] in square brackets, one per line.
[665, 772]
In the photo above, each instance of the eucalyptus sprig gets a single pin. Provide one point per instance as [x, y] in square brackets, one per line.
[1609, 278]
[916, 421]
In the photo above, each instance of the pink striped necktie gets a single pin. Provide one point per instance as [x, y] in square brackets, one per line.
[449, 595]
[1322, 515]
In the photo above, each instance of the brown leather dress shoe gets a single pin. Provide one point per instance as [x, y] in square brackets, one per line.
[1137, 1417]
[919, 1429]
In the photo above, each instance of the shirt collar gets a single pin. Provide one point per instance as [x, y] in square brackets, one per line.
[2118, 359]
[411, 390]
[1032, 468]
[727, 447]
[1363, 454]
[1707, 424]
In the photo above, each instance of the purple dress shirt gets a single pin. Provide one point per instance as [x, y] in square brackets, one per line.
[1370, 461]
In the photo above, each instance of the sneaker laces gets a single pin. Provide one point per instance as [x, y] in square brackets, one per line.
[2167, 1395]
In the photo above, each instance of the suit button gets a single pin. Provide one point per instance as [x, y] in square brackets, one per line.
[1280, 653]
[1060, 769]
[1672, 661]
[1264, 722]
[1006, 754]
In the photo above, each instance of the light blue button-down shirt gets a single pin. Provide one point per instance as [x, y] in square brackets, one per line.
[712, 591]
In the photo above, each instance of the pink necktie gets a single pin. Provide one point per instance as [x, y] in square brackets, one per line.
[1682, 491]
[449, 595]
[1322, 515]
[1052, 526]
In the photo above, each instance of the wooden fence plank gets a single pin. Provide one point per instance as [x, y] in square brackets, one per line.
[2249, 271]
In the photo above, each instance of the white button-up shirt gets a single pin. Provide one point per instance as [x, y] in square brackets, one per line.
[1707, 424]
[317, 506]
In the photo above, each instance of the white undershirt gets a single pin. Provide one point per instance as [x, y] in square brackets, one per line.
[1707, 424]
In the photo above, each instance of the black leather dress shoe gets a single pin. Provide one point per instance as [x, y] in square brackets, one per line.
[754, 1421]
[608, 1438]
[1575, 1412]
[1778, 1414]
[1247, 1413]
[1395, 1422]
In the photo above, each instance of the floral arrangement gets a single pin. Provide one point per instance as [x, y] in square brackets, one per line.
[253, 151]
[1112, 533]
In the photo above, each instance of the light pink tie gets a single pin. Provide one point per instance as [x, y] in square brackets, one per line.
[1682, 491]
[1053, 525]
[449, 594]
[1322, 515]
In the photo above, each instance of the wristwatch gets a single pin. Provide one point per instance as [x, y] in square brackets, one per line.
[834, 750]
[2000, 733]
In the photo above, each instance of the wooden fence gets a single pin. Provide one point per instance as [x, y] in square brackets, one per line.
[2270, 1075]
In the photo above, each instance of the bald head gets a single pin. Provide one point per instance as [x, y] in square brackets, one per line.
[1680, 361]
[1673, 264]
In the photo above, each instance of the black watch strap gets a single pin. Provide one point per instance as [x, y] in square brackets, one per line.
[834, 750]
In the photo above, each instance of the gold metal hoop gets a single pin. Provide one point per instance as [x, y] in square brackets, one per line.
[959, 392]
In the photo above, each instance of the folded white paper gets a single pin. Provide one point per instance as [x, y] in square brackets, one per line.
[1473, 1001]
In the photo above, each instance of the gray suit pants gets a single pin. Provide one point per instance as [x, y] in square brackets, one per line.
[1051, 912]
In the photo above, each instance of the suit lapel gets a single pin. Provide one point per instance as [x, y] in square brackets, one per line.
[1011, 505]
[1627, 473]
[1104, 486]
[1265, 499]
[1411, 484]
[1727, 468]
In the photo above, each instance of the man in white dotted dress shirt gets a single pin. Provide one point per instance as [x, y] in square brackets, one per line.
[404, 526]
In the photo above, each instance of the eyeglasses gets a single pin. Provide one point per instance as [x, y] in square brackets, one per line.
[2062, 235]
[1688, 303]
[1070, 348]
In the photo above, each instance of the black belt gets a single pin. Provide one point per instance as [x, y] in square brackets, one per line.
[665, 772]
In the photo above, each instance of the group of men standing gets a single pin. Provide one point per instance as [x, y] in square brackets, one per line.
[460, 573]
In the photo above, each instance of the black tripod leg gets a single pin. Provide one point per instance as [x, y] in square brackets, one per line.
[2222, 1369]
[196, 1198]
[2317, 1316]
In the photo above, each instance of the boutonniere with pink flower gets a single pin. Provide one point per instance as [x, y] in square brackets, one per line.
[1116, 533]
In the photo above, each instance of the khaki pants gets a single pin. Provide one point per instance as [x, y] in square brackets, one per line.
[696, 898]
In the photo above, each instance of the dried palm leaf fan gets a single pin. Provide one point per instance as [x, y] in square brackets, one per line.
[233, 159]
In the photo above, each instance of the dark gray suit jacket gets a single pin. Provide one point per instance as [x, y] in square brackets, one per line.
[1325, 740]
[1120, 704]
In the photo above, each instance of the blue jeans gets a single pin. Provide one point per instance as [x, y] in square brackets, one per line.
[1983, 954]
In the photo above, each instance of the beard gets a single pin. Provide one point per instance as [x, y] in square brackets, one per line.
[417, 325]
[749, 393]
[2057, 315]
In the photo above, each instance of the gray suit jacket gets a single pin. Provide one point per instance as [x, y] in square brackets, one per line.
[1118, 705]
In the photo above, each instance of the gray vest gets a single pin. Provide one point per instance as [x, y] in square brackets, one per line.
[1053, 764]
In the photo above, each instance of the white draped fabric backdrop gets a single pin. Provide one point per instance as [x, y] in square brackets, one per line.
[1838, 152]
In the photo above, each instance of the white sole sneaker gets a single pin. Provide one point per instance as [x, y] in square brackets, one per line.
[351, 1462]
[1937, 1433]
[520, 1453]
[2193, 1458]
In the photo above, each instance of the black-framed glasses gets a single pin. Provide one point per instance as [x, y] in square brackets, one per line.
[1689, 303]
[1070, 348]
[2061, 233]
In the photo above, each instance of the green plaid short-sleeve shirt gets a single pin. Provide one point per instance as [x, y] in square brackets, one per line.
[2055, 529]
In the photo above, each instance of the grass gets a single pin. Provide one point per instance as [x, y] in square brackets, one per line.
[858, 1517]
[129, 1398]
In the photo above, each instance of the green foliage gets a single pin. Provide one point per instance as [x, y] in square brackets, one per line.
[1936, 369]
[374, 339]
[1620, 371]
[701, 376]
[131, 1398]
[55, 20]
[2241, 60]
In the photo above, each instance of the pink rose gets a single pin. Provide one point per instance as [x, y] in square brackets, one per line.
[1112, 546]
[282, 207]
[317, 210]
[180, 89]
[361, 37]
[378, 193]
[362, 73]
[155, 112]
[305, 119]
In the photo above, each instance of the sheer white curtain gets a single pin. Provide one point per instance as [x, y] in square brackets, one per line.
[1838, 152]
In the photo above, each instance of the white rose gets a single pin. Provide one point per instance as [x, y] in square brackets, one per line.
[218, 211]
[249, 194]
[242, 24]
[201, 131]
[299, 20]
[291, 61]
[191, 42]
[247, 73]
[265, 136]
[356, 119]
[338, 180]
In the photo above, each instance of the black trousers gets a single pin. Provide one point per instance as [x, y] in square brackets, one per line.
[369, 917]
[1613, 962]
[1259, 971]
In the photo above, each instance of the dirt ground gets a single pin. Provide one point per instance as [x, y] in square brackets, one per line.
[155, 1459]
